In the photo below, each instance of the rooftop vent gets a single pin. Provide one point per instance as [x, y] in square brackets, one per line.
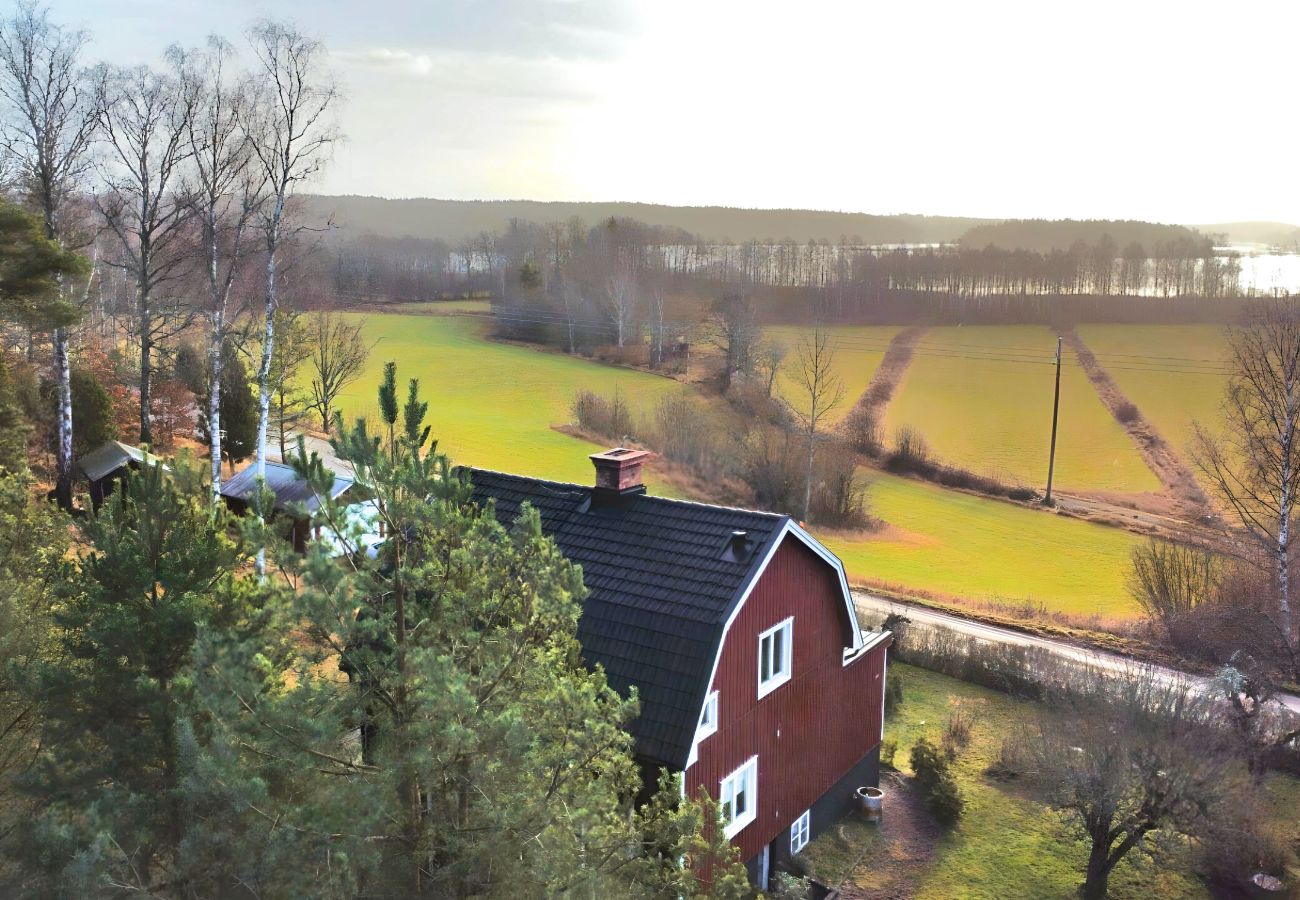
[739, 546]
[618, 475]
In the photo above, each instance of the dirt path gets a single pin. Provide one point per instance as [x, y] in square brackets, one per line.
[890, 869]
[883, 383]
[1174, 473]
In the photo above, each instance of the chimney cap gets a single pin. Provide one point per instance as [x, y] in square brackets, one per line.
[618, 473]
[620, 455]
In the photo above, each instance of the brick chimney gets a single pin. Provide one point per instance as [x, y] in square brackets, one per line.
[618, 475]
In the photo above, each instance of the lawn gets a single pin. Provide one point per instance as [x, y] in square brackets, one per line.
[1008, 844]
[982, 397]
[1150, 363]
[977, 548]
[492, 405]
[858, 352]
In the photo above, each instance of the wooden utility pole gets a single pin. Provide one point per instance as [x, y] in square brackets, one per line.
[1056, 411]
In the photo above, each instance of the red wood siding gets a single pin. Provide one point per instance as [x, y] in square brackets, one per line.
[809, 731]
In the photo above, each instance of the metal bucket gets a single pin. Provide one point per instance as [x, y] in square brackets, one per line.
[871, 800]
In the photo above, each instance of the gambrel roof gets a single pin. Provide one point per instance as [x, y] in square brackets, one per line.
[664, 578]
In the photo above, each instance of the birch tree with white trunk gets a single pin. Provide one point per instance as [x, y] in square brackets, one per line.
[144, 120]
[291, 139]
[225, 190]
[1253, 461]
[622, 295]
[48, 126]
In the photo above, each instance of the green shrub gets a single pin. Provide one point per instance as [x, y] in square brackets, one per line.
[790, 887]
[945, 801]
[893, 694]
[888, 750]
[933, 776]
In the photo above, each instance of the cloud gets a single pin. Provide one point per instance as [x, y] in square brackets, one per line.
[483, 75]
[388, 58]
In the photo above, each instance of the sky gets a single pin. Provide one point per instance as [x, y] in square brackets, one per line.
[1176, 112]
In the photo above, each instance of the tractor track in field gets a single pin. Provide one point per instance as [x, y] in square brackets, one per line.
[1167, 465]
[885, 380]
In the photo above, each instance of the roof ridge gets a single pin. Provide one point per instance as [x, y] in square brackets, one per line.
[675, 500]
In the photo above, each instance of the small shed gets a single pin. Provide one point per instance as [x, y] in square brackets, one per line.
[290, 489]
[107, 465]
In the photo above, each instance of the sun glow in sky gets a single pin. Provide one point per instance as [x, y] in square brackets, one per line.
[1181, 112]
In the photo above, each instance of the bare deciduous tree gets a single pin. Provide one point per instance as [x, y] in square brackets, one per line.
[622, 295]
[770, 356]
[49, 124]
[1254, 463]
[144, 117]
[338, 356]
[733, 329]
[819, 390]
[1125, 756]
[1169, 579]
[225, 193]
[290, 402]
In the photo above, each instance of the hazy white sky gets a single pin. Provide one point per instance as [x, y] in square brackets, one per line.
[1180, 112]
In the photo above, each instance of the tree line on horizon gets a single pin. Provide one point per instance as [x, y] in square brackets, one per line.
[529, 266]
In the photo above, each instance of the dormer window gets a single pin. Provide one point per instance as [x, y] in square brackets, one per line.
[774, 652]
[708, 717]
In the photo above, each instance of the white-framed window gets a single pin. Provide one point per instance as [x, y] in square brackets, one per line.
[774, 651]
[708, 717]
[738, 798]
[799, 832]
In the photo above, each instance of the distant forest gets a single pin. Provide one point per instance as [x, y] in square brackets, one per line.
[455, 221]
[1044, 236]
[609, 271]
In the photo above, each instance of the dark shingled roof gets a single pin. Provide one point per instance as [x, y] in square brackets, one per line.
[284, 482]
[661, 588]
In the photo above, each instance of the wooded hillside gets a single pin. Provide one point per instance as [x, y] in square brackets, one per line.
[455, 220]
[1044, 235]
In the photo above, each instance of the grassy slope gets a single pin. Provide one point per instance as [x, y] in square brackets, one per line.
[1008, 845]
[994, 416]
[858, 352]
[1171, 401]
[969, 546]
[493, 405]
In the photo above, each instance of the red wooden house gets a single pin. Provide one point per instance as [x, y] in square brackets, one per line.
[739, 632]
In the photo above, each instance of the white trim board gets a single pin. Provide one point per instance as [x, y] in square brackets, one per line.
[791, 527]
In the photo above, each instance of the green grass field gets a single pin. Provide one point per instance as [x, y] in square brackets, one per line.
[858, 352]
[976, 548]
[444, 307]
[492, 405]
[1008, 844]
[1145, 361]
[993, 416]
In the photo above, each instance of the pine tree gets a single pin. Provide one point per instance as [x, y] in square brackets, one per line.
[238, 411]
[14, 429]
[96, 420]
[110, 693]
[33, 544]
[472, 752]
